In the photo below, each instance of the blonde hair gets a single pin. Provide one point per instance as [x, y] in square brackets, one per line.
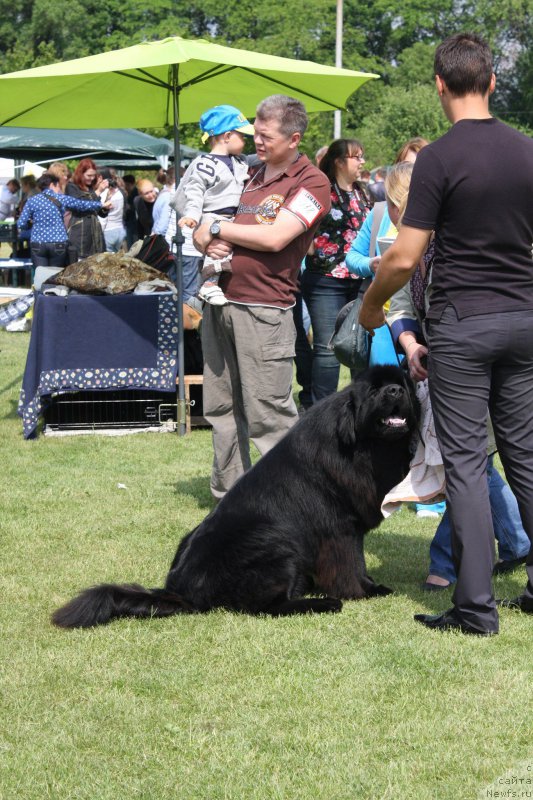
[414, 145]
[59, 168]
[397, 185]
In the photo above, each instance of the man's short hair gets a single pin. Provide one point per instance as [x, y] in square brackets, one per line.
[14, 183]
[288, 111]
[464, 63]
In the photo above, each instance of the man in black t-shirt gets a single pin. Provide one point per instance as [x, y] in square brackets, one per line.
[473, 188]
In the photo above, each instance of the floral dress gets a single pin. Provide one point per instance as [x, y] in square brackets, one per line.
[337, 231]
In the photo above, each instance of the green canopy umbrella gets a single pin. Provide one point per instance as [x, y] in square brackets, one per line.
[155, 84]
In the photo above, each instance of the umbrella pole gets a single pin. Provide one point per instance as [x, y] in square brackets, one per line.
[178, 240]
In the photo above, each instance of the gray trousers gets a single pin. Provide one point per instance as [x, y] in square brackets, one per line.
[476, 363]
[248, 368]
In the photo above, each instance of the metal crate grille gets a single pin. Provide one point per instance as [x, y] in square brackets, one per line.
[110, 409]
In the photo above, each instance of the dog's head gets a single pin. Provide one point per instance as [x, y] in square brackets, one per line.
[381, 403]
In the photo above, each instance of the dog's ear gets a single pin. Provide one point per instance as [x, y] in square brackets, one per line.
[346, 423]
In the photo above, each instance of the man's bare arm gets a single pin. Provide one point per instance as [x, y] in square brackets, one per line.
[265, 238]
[395, 269]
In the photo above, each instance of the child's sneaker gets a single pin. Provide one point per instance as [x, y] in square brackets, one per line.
[212, 294]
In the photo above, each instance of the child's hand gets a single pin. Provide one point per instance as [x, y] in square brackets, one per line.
[187, 222]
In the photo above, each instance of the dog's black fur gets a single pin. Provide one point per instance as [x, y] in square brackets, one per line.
[291, 526]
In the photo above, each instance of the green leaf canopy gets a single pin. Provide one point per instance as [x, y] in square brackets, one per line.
[134, 86]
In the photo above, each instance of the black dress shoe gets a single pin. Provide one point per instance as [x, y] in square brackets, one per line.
[447, 621]
[519, 603]
[500, 567]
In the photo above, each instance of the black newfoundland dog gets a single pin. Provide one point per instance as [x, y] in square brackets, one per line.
[294, 524]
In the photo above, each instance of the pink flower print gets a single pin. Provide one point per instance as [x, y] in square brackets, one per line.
[340, 271]
[321, 241]
[330, 248]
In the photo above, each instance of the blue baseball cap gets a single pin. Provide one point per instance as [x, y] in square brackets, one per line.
[221, 119]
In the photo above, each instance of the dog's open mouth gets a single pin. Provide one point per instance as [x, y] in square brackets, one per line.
[394, 422]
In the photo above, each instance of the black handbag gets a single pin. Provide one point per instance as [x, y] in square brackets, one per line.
[349, 341]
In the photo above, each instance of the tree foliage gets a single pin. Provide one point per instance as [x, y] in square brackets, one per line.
[395, 41]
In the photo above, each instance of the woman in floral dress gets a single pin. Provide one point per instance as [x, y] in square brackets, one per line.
[327, 284]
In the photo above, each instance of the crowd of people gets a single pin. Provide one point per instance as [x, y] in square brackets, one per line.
[440, 244]
[67, 216]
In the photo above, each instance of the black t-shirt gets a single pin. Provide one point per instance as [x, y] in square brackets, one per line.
[474, 187]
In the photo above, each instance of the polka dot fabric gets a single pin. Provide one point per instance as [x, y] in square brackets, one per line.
[161, 377]
[46, 211]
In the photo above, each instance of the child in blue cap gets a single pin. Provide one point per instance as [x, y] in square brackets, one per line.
[212, 185]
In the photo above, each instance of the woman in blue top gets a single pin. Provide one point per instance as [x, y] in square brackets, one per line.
[45, 212]
[360, 262]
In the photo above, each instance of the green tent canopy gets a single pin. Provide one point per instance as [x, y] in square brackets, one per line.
[121, 146]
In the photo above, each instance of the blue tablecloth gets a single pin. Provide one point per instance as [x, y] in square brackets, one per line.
[91, 342]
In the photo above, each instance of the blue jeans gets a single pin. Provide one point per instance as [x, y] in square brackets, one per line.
[508, 531]
[114, 239]
[191, 275]
[49, 254]
[324, 297]
[304, 353]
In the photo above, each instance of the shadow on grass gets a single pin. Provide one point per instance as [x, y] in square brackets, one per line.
[403, 566]
[198, 488]
[11, 413]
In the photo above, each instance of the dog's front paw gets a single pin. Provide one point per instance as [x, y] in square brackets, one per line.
[379, 590]
[373, 589]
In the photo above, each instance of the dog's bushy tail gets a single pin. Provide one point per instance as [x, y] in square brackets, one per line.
[101, 604]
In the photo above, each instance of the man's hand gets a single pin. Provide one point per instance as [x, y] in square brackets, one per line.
[219, 249]
[214, 248]
[202, 237]
[371, 317]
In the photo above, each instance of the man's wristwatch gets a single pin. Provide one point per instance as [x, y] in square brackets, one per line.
[214, 228]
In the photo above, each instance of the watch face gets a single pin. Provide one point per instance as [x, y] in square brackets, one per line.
[214, 229]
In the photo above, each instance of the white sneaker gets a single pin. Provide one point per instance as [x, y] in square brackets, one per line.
[213, 295]
[427, 514]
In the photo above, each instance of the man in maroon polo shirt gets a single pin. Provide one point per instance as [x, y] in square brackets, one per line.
[248, 344]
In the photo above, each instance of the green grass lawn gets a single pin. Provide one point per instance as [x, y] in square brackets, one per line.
[364, 704]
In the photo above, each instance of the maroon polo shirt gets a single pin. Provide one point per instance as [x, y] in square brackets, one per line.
[270, 279]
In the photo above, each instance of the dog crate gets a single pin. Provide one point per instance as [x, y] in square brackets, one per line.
[110, 409]
[117, 409]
